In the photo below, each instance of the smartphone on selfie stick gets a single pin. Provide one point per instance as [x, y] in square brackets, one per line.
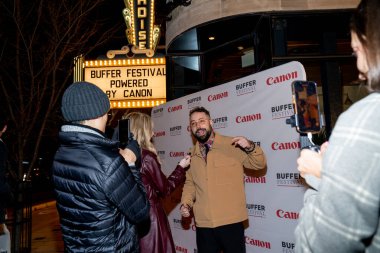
[307, 118]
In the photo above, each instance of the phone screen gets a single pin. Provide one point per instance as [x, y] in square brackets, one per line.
[306, 106]
[123, 132]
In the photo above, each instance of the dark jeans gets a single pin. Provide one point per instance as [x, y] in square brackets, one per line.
[229, 238]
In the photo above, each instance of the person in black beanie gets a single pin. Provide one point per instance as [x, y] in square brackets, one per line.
[100, 197]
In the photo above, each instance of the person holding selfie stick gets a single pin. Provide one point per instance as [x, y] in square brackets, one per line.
[100, 197]
[344, 215]
[155, 236]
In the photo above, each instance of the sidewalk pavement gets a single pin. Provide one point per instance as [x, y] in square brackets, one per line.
[43, 205]
[46, 231]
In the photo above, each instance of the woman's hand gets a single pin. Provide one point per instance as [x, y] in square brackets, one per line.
[185, 162]
[309, 162]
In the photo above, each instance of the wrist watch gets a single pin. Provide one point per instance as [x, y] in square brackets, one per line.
[253, 146]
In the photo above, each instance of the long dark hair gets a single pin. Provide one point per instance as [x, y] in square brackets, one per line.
[365, 22]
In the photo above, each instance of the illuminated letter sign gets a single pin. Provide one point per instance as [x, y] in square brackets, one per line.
[141, 31]
[129, 82]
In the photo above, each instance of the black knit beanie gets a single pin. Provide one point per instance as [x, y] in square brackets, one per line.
[84, 101]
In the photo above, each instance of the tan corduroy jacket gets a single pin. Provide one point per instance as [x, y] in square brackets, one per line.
[215, 190]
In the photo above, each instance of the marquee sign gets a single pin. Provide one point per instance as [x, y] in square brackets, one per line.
[129, 83]
[141, 31]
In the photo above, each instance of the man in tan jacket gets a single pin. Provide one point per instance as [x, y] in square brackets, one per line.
[214, 186]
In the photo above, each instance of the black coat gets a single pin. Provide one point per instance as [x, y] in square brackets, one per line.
[99, 198]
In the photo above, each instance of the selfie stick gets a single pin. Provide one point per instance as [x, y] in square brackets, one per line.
[306, 140]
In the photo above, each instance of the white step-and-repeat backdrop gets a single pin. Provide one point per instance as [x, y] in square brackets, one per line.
[257, 107]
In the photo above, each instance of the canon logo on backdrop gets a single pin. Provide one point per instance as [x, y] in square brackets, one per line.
[257, 243]
[180, 249]
[217, 96]
[255, 180]
[175, 108]
[282, 78]
[176, 154]
[159, 133]
[287, 215]
[248, 118]
[286, 145]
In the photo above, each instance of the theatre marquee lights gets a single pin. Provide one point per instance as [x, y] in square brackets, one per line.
[129, 83]
[141, 30]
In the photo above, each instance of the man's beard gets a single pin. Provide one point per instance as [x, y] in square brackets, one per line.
[203, 138]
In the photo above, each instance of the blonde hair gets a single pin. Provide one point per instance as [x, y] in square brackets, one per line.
[142, 128]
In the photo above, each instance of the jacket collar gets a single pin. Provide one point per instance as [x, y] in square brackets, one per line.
[81, 128]
[215, 145]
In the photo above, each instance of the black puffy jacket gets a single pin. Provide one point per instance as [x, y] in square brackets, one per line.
[100, 198]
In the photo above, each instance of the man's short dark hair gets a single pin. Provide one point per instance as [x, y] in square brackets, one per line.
[199, 109]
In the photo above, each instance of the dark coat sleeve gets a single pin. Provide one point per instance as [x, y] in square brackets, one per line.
[125, 190]
[163, 186]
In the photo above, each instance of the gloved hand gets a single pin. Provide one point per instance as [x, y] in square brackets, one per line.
[134, 147]
[185, 162]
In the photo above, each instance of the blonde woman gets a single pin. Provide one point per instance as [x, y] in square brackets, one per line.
[155, 237]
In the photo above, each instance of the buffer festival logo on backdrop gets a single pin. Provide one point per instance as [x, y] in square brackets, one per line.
[290, 179]
[157, 113]
[161, 154]
[282, 111]
[256, 210]
[175, 130]
[220, 122]
[194, 102]
[178, 224]
[245, 88]
[287, 247]
[183, 224]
